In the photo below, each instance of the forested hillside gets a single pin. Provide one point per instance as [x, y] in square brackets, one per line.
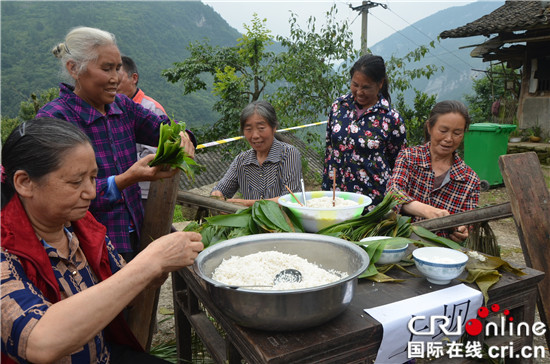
[459, 67]
[155, 34]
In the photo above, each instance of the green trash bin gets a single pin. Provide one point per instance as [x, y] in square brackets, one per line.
[483, 144]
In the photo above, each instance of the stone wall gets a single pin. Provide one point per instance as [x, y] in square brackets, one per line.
[542, 150]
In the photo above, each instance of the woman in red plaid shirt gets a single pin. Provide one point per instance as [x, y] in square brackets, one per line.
[431, 178]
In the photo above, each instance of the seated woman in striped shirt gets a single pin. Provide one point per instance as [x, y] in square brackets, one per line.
[262, 172]
[431, 178]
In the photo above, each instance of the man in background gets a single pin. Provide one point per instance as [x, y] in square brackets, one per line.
[129, 78]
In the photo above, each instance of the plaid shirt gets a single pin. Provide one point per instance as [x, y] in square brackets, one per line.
[413, 180]
[114, 137]
[283, 166]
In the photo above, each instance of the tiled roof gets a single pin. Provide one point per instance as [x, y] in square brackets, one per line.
[216, 165]
[512, 16]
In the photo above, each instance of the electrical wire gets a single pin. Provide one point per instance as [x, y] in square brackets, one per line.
[427, 36]
[412, 41]
[417, 45]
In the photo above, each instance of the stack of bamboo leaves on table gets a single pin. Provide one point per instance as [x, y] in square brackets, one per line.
[268, 217]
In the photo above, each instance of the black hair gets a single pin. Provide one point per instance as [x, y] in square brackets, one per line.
[262, 108]
[442, 108]
[37, 147]
[374, 68]
[129, 66]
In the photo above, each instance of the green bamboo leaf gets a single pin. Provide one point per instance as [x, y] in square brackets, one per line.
[428, 235]
[370, 271]
[260, 218]
[252, 227]
[273, 213]
[230, 220]
[484, 279]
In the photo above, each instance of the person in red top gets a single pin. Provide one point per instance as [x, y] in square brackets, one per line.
[63, 283]
[432, 179]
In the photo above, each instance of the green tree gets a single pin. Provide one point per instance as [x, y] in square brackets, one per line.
[27, 110]
[239, 74]
[8, 124]
[301, 82]
[488, 89]
[415, 117]
[314, 69]
[400, 75]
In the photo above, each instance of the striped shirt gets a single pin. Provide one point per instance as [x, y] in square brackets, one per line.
[413, 179]
[23, 304]
[283, 166]
[114, 137]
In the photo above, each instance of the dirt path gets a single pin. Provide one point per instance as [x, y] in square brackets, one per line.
[505, 232]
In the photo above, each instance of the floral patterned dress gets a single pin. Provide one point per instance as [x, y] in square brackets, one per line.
[363, 149]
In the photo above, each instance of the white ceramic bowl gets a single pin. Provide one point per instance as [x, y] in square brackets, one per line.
[439, 265]
[315, 219]
[390, 255]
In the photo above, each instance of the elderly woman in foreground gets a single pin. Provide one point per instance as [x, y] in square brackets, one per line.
[431, 178]
[63, 284]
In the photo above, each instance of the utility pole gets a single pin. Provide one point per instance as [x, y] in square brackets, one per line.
[364, 9]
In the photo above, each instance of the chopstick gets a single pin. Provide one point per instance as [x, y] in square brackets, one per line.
[334, 187]
[293, 195]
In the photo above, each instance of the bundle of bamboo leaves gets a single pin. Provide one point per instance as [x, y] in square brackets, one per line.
[170, 152]
[269, 217]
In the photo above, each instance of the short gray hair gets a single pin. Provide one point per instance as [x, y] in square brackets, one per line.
[262, 108]
[80, 46]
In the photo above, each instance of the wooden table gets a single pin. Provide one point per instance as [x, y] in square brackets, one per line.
[352, 337]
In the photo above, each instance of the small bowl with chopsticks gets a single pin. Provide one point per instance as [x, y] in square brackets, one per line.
[318, 212]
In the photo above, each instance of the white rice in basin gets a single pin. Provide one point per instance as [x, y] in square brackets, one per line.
[262, 267]
[326, 202]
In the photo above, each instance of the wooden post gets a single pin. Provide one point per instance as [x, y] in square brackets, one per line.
[159, 214]
[530, 202]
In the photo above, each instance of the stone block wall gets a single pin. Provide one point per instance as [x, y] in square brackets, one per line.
[542, 150]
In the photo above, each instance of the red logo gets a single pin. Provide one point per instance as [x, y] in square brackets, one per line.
[475, 327]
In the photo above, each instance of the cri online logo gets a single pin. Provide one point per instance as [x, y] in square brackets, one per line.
[475, 327]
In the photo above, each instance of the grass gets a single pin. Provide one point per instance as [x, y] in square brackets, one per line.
[178, 214]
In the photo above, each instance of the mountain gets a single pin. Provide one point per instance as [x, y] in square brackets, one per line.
[459, 67]
[154, 34]
[157, 33]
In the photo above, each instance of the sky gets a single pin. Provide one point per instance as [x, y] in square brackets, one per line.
[382, 22]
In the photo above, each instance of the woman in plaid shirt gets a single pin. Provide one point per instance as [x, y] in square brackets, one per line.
[91, 61]
[431, 178]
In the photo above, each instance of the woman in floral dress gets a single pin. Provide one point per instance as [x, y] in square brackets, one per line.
[364, 133]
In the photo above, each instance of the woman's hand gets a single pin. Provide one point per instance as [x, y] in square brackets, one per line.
[187, 144]
[141, 171]
[171, 252]
[460, 234]
[240, 201]
[54, 335]
[417, 208]
[217, 193]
